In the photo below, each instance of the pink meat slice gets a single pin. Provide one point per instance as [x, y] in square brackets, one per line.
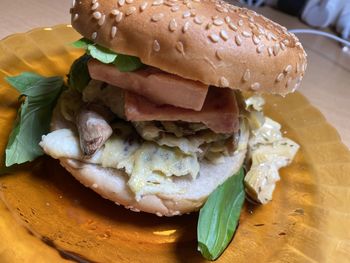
[158, 86]
[219, 112]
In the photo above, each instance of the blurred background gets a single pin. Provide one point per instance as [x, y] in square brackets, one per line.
[316, 13]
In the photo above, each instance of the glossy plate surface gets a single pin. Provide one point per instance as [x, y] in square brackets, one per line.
[308, 220]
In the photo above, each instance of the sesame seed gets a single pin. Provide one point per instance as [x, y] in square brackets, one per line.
[115, 12]
[251, 25]
[208, 26]
[240, 22]
[242, 16]
[121, 2]
[270, 51]
[214, 17]
[73, 3]
[260, 48]
[94, 35]
[129, 1]
[238, 40]
[130, 10]
[218, 22]
[97, 15]
[232, 26]
[227, 19]
[143, 6]
[175, 8]
[197, 1]
[157, 17]
[186, 26]
[224, 35]
[214, 38]
[94, 1]
[304, 66]
[95, 6]
[288, 69]
[186, 14]
[156, 46]
[198, 20]
[283, 46]
[102, 20]
[246, 34]
[286, 42]
[255, 86]
[157, 2]
[280, 77]
[256, 40]
[246, 75]
[224, 82]
[219, 54]
[119, 17]
[180, 47]
[75, 18]
[113, 31]
[169, 4]
[94, 186]
[276, 49]
[172, 25]
[251, 19]
[189, 6]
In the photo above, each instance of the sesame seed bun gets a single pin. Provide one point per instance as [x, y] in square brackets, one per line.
[112, 183]
[210, 41]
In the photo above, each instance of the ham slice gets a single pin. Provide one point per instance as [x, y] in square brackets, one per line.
[219, 112]
[156, 85]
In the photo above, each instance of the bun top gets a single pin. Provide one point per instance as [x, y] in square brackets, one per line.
[210, 41]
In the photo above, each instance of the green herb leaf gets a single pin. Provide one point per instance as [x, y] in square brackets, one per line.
[124, 63]
[219, 217]
[82, 43]
[22, 84]
[101, 54]
[34, 116]
[79, 76]
[127, 63]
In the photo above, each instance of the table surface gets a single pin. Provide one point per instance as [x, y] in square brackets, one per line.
[327, 81]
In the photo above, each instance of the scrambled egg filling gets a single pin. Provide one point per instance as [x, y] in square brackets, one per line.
[153, 153]
[268, 151]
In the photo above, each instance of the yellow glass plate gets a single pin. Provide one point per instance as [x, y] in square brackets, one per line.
[47, 216]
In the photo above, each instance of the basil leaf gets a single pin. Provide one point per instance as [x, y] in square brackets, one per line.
[102, 54]
[127, 63]
[219, 217]
[124, 63]
[82, 43]
[21, 84]
[79, 77]
[34, 116]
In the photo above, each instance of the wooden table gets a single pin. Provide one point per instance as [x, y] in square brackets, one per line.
[326, 85]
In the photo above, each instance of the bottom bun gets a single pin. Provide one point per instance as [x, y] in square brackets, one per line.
[112, 183]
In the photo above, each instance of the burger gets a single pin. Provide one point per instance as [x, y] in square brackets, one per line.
[165, 105]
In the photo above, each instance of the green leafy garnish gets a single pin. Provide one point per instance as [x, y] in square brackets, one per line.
[124, 63]
[127, 63]
[101, 54]
[82, 43]
[34, 115]
[219, 217]
[79, 76]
